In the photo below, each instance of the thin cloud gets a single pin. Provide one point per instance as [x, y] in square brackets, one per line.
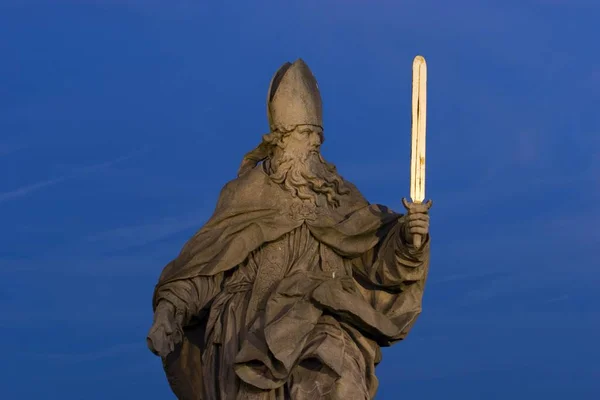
[78, 172]
[143, 7]
[533, 263]
[490, 327]
[6, 149]
[511, 185]
[110, 352]
[125, 237]
[465, 276]
[9, 318]
[570, 3]
[558, 299]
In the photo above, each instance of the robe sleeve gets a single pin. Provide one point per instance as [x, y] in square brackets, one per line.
[392, 278]
[190, 296]
[394, 263]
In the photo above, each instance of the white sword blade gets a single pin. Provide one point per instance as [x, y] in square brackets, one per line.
[419, 115]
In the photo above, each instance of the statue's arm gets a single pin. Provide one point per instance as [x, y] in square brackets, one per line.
[395, 263]
[392, 278]
[410, 264]
[188, 297]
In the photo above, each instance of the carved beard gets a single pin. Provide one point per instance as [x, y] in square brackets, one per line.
[308, 175]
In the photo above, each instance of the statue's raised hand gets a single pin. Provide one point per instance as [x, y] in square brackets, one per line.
[417, 221]
[165, 333]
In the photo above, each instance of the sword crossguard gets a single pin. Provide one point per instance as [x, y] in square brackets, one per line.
[417, 239]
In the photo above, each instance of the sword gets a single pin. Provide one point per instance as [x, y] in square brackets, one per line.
[417, 157]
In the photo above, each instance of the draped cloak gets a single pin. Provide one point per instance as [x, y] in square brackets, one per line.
[371, 283]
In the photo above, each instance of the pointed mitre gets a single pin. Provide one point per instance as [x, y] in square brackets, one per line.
[294, 98]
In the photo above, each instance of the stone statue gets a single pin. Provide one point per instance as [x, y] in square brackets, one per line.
[295, 283]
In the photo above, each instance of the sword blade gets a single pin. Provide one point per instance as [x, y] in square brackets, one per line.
[419, 115]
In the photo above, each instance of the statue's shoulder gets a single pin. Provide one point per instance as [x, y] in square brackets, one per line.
[251, 183]
[356, 200]
[351, 186]
[354, 193]
[249, 179]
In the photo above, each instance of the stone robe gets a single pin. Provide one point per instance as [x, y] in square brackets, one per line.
[281, 300]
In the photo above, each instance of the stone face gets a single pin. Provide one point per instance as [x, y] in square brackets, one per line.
[296, 281]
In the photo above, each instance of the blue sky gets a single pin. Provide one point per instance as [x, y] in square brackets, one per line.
[120, 120]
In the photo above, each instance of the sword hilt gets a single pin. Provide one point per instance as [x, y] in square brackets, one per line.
[417, 239]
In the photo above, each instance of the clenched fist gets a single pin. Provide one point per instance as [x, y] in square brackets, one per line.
[165, 332]
[417, 221]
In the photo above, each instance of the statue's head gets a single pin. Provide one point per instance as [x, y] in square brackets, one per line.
[296, 163]
[291, 152]
[294, 111]
[293, 98]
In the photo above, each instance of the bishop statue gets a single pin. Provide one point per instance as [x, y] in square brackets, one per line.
[296, 282]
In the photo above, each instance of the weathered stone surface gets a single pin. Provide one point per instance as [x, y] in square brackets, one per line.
[296, 281]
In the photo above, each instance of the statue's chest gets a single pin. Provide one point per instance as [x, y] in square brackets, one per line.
[297, 251]
[273, 262]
